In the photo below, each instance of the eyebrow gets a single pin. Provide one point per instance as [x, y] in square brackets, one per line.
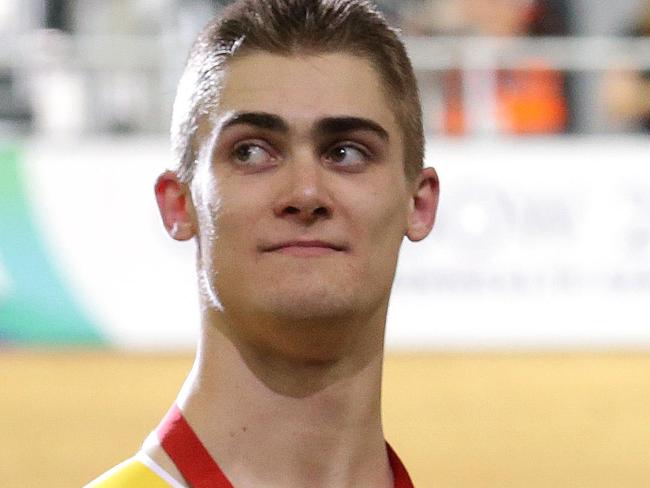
[262, 120]
[326, 126]
[337, 125]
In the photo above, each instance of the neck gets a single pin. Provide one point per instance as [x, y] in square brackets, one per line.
[272, 419]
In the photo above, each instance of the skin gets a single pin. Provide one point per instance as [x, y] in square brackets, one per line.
[298, 211]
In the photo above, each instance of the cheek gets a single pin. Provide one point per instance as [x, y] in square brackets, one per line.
[207, 202]
[379, 245]
[230, 220]
[219, 216]
[381, 221]
[242, 205]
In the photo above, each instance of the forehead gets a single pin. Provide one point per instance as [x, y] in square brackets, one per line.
[304, 88]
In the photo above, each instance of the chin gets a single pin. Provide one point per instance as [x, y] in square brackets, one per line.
[301, 292]
[303, 306]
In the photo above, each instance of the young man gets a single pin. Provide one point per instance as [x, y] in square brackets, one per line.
[298, 132]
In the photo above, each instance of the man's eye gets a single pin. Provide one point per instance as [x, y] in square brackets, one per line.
[346, 155]
[251, 155]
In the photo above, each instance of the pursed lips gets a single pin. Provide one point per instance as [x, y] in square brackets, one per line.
[304, 248]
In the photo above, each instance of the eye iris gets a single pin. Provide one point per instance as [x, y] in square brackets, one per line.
[340, 153]
[244, 153]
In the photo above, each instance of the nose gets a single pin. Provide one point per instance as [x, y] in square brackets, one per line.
[304, 196]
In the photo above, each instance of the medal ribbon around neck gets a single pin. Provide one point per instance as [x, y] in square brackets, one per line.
[198, 468]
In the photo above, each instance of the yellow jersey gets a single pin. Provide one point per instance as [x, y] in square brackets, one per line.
[138, 472]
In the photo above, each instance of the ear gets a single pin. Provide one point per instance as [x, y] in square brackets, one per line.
[424, 205]
[175, 206]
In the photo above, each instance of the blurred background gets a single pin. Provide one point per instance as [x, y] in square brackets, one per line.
[519, 331]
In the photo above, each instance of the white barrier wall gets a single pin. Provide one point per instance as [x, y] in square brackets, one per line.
[540, 243]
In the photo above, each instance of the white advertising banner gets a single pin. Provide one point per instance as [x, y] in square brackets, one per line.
[540, 243]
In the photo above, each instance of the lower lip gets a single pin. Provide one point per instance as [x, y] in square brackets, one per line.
[306, 252]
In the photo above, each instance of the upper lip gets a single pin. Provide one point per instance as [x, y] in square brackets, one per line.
[303, 243]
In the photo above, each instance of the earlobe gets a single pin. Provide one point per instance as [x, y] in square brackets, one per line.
[175, 206]
[424, 205]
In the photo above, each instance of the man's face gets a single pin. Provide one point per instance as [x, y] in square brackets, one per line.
[300, 195]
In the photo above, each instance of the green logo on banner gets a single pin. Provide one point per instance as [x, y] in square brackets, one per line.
[36, 307]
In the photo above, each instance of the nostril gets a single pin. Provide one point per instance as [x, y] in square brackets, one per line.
[306, 213]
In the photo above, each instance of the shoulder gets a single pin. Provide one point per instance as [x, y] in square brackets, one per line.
[137, 472]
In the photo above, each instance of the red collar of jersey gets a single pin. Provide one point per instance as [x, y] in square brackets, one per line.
[201, 471]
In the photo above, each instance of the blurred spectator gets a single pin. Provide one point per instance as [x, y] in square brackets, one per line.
[506, 18]
[627, 91]
[526, 100]
[433, 18]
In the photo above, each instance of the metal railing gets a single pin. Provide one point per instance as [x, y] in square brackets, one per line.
[157, 62]
[427, 53]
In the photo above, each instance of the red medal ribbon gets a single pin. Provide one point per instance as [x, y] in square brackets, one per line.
[201, 471]
[188, 452]
[400, 475]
